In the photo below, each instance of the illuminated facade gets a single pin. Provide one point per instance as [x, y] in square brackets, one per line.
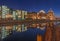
[14, 15]
[41, 15]
[8, 14]
[5, 10]
[31, 15]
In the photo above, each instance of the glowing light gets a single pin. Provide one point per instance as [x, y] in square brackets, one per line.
[38, 17]
[39, 38]
[8, 27]
[34, 17]
[8, 16]
[38, 27]
[43, 17]
[51, 18]
[19, 16]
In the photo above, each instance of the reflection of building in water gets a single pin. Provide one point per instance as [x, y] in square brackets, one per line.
[57, 32]
[42, 15]
[9, 14]
[53, 33]
[6, 30]
[39, 38]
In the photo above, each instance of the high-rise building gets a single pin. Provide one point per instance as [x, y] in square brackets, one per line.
[19, 15]
[5, 10]
[23, 15]
[14, 15]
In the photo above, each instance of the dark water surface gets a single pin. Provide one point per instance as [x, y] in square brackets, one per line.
[29, 35]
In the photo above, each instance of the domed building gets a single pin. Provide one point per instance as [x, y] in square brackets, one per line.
[50, 15]
[41, 11]
[42, 15]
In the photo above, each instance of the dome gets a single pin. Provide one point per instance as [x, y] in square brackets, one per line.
[42, 11]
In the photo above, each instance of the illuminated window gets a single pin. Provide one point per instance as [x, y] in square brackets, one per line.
[43, 17]
[8, 27]
[38, 17]
[34, 17]
[8, 16]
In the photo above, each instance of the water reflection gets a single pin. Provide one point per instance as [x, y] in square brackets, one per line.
[6, 30]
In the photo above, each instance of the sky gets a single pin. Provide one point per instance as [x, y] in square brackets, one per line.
[33, 5]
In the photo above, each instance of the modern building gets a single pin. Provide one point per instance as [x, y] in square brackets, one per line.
[20, 14]
[14, 14]
[5, 10]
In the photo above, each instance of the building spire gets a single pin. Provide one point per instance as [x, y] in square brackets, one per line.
[50, 10]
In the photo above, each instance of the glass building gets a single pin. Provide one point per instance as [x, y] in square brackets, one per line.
[5, 10]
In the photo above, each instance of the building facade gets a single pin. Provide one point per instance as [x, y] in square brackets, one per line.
[8, 14]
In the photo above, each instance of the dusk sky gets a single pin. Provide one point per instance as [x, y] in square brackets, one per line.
[33, 5]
